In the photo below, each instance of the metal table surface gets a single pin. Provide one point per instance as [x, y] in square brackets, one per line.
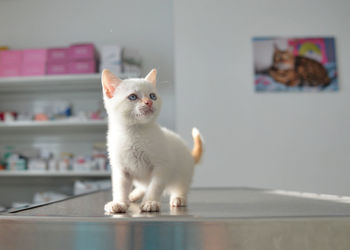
[236, 218]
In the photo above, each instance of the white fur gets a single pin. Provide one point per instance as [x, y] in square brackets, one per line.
[143, 154]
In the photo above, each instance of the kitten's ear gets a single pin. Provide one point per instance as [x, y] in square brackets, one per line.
[152, 77]
[275, 47]
[110, 82]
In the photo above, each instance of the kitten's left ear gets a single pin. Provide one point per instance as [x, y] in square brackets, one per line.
[110, 82]
[152, 77]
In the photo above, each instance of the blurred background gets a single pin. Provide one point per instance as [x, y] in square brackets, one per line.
[52, 129]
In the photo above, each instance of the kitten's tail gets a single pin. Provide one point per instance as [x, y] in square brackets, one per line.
[197, 145]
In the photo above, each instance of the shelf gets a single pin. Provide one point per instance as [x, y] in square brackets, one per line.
[58, 83]
[6, 173]
[64, 124]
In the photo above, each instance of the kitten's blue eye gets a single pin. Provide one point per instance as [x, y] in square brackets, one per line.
[132, 97]
[153, 96]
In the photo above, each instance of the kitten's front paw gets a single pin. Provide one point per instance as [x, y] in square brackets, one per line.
[115, 207]
[177, 202]
[150, 206]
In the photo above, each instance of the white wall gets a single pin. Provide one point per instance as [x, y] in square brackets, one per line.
[143, 25]
[297, 141]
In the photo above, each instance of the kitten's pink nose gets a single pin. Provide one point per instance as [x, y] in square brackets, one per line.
[148, 102]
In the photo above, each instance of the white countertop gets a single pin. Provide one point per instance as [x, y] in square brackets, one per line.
[236, 218]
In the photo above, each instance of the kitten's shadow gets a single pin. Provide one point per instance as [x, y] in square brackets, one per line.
[179, 211]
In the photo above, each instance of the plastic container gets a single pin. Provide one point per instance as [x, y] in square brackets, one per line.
[33, 69]
[58, 55]
[34, 56]
[82, 67]
[82, 52]
[57, 68]
[10, 70]
[11, 57]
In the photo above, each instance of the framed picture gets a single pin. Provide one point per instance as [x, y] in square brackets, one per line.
[295, 64]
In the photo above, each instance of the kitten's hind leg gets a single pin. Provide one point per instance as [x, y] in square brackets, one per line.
[136, 194]
[178, 198]
[177, 201]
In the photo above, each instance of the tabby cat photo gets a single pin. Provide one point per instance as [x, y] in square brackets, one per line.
[295, 64]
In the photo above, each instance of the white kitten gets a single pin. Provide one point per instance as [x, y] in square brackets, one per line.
[141, 153]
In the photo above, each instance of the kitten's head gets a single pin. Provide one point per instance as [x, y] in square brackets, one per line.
[283, 59]
[132, 101]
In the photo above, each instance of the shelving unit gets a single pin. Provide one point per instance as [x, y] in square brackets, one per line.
[53, 83]
[6, 173]
[70, 135]
[87, 125]
[58, 87]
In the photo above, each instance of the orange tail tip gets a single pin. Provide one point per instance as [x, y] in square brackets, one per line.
[198, 145]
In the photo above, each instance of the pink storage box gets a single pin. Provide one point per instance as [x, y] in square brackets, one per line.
[11, 57]
[10, 70]
[33, 69]
[58, 55]
[34, 56]
[81, 52]
[57, 68]
[82, 67]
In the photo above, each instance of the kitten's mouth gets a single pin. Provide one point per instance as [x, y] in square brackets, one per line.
[145, 112]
